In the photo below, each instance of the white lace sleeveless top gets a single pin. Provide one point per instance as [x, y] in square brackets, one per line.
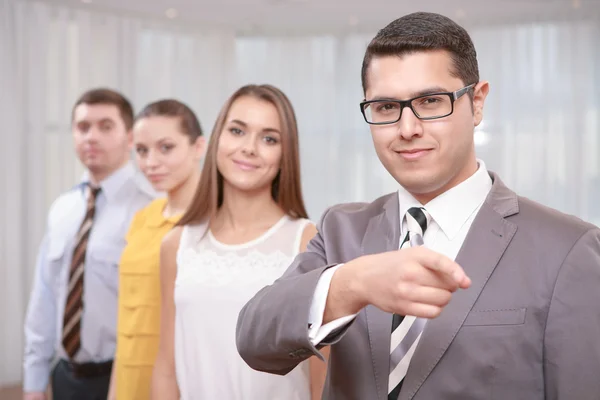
[214, 281]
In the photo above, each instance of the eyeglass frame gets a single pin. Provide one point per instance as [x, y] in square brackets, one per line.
[454, 96]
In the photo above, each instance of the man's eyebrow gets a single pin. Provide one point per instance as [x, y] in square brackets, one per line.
[424, 92]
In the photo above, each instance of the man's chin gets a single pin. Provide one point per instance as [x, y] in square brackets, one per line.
[418, 183]
[94, 166]
[97, 169]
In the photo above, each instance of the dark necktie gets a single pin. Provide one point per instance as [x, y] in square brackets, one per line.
[71, 336]
[406, 331]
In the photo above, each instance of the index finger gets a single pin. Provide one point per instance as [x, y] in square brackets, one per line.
[440, 263]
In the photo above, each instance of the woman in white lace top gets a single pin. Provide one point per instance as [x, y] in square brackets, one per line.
[246, 224]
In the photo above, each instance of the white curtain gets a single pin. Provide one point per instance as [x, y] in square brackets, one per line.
[541, 130]
[49, 55]
[22, 157]
[542, 122]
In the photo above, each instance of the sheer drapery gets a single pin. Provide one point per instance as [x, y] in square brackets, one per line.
[48, 56]
[541, 130]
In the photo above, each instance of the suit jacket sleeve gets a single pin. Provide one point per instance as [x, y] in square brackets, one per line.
[272, 328]
[572, 336]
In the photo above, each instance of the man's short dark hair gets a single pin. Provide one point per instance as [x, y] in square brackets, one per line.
[107, 96]
[423, 31]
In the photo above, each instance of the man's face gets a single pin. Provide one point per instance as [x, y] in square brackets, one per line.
[102, 141]
[425, 157]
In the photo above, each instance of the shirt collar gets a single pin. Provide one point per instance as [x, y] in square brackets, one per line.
[113, 183]
[155, 217]
[452, 209]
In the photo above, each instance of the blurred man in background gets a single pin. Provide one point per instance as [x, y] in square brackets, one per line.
[72, 308]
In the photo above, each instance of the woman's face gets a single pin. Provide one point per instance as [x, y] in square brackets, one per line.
[164, 153]
[249, 150]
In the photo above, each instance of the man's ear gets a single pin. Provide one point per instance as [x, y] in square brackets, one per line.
[480, 92]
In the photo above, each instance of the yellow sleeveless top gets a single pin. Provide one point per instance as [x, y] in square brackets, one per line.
[138, 323]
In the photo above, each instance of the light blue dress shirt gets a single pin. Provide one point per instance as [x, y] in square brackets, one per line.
[122, 195]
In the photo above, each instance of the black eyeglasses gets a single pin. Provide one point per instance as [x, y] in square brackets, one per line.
[426, 107]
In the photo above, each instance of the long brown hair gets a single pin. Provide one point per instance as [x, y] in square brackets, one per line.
[286, 188]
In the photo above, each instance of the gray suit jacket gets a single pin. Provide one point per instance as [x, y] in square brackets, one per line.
[528, 328]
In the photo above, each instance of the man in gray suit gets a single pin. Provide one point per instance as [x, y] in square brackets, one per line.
[454, 287]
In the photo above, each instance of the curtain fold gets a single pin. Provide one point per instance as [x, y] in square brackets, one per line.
[49, 55]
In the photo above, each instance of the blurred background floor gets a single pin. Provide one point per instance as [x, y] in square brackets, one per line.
[10, 393]
[13, 393]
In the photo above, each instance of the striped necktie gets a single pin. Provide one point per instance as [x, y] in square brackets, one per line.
[71, 336]
[406, 331]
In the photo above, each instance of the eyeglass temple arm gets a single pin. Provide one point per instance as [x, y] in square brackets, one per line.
[462, 91]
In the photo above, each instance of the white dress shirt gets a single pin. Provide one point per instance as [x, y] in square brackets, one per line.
[452, 214]
[122, 194]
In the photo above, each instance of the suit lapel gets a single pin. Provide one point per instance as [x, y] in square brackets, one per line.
[382, 234]
[488, 238]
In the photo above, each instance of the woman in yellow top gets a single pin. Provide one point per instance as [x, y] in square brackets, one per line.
[169, 144]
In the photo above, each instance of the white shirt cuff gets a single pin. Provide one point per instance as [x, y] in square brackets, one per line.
[316, 331]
